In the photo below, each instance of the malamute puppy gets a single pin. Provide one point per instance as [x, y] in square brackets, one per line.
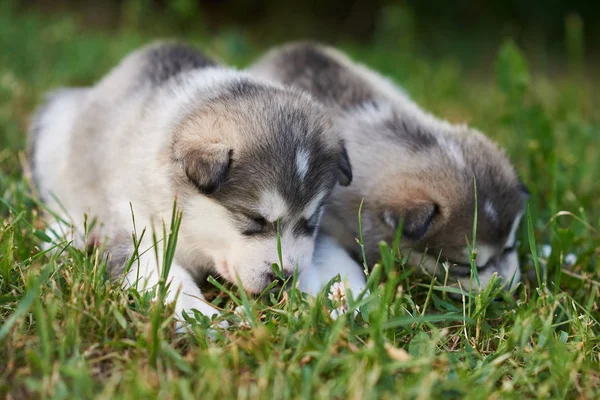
[408, 166]
[241, 155]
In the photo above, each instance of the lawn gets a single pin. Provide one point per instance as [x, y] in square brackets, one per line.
[68, 332]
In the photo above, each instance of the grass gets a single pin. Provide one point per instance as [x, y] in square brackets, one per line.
[68, 332]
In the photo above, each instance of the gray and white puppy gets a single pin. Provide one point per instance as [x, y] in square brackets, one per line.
[408, 166]
[239, 154]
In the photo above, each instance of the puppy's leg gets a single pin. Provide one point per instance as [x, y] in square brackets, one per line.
[145, 274]
[329, 260]
[63, 233]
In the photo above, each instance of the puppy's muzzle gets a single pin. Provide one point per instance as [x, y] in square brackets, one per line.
[283, 281]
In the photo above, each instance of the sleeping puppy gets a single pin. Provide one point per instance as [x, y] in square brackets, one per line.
[410, 168]
[243, 157]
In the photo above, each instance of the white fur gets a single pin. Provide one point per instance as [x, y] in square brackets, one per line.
[145, 275]
[131, 181]
[507, 269]
[513, 231]
[484, 254]
[311, 208]
[56, 120]
[490, 211]
[389, 219]
[234, 255]
[372, 112]
[454, 152]
[272, 206]
[329, 260]
[302, 163]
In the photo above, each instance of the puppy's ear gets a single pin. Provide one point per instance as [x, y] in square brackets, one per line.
[416, 219]
[345, 168]
[205, 165]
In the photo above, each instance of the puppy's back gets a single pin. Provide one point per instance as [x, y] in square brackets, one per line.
[329, 75]
[50, 136]
[150, 67]
[74, 126]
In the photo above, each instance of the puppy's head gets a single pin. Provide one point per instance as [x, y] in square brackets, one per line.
[432, 177]
[253, 162]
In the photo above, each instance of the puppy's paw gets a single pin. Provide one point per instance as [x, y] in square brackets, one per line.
[58, 233]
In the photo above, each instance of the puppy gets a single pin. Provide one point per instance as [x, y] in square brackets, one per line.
[410, 168]
[243, 157]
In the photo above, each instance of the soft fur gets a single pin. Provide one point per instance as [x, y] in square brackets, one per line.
[237, 152]
[409, 167]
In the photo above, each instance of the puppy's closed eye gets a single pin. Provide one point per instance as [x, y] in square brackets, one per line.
[511, 248]
[256, 224]
[416, 220]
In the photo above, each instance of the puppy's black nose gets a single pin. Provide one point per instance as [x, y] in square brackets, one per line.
[285, 276]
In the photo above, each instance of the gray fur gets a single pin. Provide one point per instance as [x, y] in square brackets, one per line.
[407, 164]
[309, 67]
[166, 60]
[168, 123]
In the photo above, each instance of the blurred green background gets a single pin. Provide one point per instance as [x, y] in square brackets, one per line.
[471, 30]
